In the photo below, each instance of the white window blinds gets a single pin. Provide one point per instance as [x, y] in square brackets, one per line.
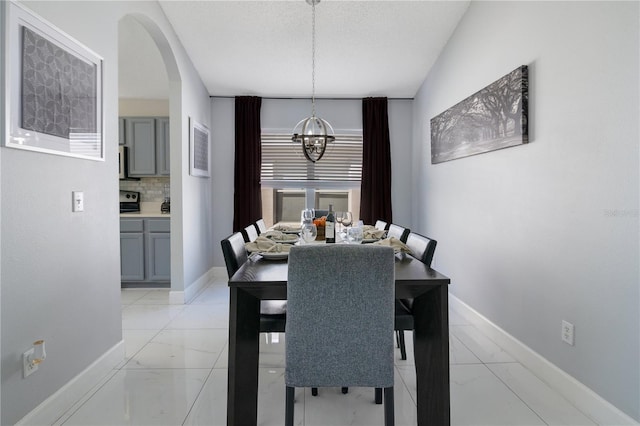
[283, 160]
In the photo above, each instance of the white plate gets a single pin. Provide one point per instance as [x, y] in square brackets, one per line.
[275, 256]
[291, 231]
[292, 240]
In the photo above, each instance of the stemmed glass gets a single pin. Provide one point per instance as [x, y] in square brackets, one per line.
[307, 216]
[339, 217]
[309, 232]
[347, 219]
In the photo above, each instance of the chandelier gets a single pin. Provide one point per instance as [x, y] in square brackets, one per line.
[313, 133]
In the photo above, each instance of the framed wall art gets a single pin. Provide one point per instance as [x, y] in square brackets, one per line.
[496, 117]
[53, 89]
[199, 149]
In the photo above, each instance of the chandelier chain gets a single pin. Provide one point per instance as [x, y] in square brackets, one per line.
[313, 58]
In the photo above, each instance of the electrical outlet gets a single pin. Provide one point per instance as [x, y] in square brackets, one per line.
[78, 201]
[567, 332]
[28, 368]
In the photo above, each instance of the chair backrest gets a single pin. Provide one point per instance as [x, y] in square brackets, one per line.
[250, 233]
[234, 252]
[399, 232]
[422, 248]
[381, 225]
[262, 227]
[340, 312]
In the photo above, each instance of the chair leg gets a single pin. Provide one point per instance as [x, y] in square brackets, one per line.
[345, 390]
[378, 396]
[389, 418]
[288, 413]
[403, 349]
[398, 338]
[314, 391]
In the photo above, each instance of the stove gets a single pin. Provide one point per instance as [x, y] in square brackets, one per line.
[129, 201]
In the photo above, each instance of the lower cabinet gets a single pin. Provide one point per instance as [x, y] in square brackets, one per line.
[145, 250]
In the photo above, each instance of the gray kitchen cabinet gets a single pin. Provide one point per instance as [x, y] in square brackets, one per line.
[148, 142]
[121, 132]
[132, 260]
[141, 140]
[159, 256]
[162, 146]
[145, 250]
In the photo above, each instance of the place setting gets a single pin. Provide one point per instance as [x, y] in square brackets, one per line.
[268, 249]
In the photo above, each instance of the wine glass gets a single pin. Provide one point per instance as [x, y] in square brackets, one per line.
[307, 216]
[347, 219]
[339, 217]
[309, 232]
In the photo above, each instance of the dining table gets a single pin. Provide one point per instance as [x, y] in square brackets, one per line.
[266, 279]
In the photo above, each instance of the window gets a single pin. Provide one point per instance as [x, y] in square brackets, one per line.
[290, 182]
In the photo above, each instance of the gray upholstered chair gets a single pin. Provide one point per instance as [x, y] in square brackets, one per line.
[380, 225]
[250, 233]
[340, 307]
[398, 232]
[272, 312]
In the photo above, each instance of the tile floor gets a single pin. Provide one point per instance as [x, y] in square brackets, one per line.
[175, 373]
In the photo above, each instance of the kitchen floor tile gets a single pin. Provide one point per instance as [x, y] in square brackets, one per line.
[154, 297]
[150, 317]
[181, 349]
[547, 403]
[481, 346]
[202, 316]
[137, 397]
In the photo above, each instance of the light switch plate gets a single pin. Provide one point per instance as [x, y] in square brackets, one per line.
[78, 201]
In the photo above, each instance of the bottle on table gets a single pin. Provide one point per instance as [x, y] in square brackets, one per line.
[330, 227]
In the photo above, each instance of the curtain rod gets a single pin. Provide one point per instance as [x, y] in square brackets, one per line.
[318, 98]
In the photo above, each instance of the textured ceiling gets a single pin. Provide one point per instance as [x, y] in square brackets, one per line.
[363, 48]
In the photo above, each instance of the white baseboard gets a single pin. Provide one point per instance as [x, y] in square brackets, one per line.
[187, 295]
[585, 399]
[52, 408]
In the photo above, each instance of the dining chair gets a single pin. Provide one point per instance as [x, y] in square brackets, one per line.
[272, 312]
[398, 232]
[380, 225]
[250, 233]
[340, 320]
[422, 248]
[261, 226]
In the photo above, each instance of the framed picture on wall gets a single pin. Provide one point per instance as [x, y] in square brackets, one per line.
[199, 149]
[52, 89]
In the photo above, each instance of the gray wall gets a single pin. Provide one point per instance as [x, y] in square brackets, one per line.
[283, 114]
[535, 234]
[60, 271]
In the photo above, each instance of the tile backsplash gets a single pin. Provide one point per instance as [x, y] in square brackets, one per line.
[150, 189]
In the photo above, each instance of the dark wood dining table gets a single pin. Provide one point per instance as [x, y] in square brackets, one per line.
[260, 279]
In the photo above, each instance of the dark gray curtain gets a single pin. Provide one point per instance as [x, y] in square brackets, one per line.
[375, 198]
[247, 200]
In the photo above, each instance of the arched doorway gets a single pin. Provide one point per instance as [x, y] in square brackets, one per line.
[150, 86]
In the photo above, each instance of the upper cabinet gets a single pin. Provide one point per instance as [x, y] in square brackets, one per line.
[148, 142]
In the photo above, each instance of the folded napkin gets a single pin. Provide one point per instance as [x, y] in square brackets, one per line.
[398, 246]
[282, 227]
[280, 236]
[265, 245]
[370, 232]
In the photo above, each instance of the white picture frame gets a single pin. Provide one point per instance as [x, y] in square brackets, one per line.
[199, 149]
[52, 88]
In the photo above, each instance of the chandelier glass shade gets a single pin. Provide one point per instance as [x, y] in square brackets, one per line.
[313, 133]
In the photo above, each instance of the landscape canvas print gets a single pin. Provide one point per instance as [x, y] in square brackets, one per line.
[491, 119]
